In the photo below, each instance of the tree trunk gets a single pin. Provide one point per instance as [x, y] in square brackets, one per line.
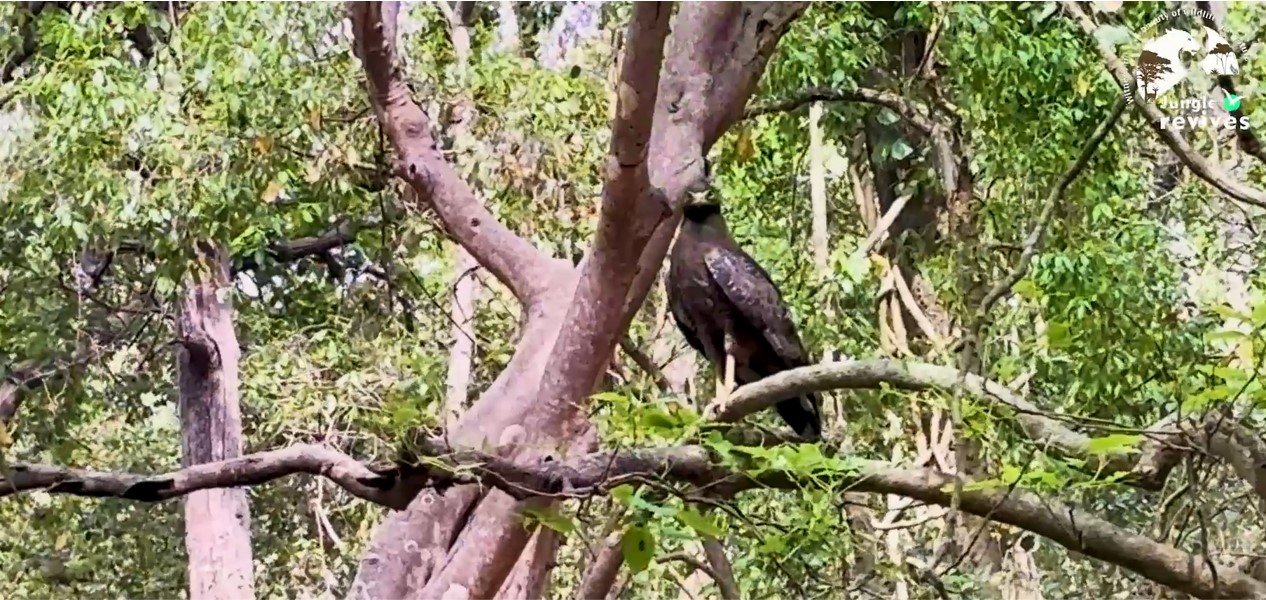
[465, 540]
[217, 522]
[817, 191]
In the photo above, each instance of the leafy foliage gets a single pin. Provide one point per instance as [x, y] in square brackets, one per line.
[250, 126]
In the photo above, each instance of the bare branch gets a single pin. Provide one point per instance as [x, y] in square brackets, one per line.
[1207, 171]
[598, 473]
[871, 374]
[914, 112]
[644, 362]
[515, 262]
[631, 209]
[287, 251]
[372, 484]
[600, 576]
[1240, 448]
[722, 572]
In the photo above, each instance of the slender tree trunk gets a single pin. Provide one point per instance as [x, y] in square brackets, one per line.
[507, 28]
[461, 353]
[578, 23]
[817, 191]
[217, 522]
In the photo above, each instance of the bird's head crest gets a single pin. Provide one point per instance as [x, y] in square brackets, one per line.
[700, 212]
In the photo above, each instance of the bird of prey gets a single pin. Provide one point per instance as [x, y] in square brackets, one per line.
[730, 311]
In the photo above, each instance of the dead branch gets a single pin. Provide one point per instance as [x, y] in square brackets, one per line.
[374, 484]
[514, 261]
[1207, 171]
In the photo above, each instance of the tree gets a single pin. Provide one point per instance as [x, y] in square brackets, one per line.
[291, 199]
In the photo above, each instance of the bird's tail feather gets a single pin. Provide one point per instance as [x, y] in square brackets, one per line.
[803, 414]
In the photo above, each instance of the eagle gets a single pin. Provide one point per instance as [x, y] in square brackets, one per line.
[730, 311]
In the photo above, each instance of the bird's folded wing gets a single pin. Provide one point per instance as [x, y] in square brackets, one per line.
[755, 297]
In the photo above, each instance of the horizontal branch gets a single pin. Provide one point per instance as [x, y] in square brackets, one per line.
[374, 484]
[288, 251]
[597, 473]
[1147, 470]
[914, 112]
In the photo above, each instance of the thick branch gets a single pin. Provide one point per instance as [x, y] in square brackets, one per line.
[599, 472]
[1174, 139]
[515, 262]
[631, 209]
[600, 576]
[288, 251]
[1147, 471]
[1240, 448]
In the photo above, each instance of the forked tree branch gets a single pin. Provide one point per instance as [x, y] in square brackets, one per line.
[598, 473]
[514, 261]
[1207, 171]
[631, 209]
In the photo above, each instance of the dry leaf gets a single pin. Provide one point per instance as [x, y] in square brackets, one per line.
[272, 192]
[264, 144]
[628, 101]
[314, 173]
[744, 146]
[314, 118]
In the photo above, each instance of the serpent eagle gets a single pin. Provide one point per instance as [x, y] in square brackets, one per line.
[730, 311]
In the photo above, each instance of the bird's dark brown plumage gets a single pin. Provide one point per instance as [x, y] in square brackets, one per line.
[715, 288]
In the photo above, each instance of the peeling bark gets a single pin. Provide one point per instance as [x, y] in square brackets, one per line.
[217, 521]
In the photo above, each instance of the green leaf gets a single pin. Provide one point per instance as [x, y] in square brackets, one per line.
[623, 494]
[1114, 444]
[638, 546]
[693, 519]
[657, 418]
[900, 150]
[1025, 288]
[1058, 335]
[552, 520]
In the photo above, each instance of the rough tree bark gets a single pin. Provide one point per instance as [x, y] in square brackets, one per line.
[465, 540]
[217, 521]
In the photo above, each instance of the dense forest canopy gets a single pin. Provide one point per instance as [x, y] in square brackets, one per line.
[367, 300]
